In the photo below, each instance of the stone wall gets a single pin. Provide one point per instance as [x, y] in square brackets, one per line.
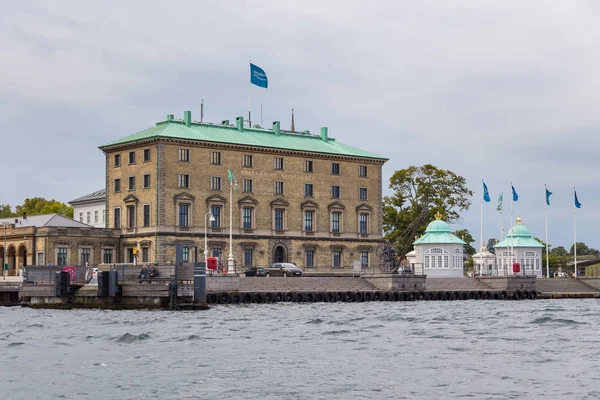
[397, 282]
[510, 282]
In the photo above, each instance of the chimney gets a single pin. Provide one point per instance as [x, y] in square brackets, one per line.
[170, 117]
[24, 215]
[225, 122]
[324, 133]
[187, 118]
[277, 128]
[239, 124]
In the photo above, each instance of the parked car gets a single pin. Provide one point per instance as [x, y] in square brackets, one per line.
[283, 269]
[255, 271]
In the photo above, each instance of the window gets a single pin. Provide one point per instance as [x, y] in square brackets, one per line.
[81, 217]
[362, 194]
[308, 166]
[184, 155]
[362, 171]
[335, 192]
[132, 183]
[103, 216]
[130, 216]
[364, 259]
[89, 217]
[108, 256]
[186, 254]
[364, 223]
[117, 218]
[308, 189]
[216, 252]
[247, 217]
[248, 257]
[335, 221]
[184, 180]
[247, 185]
[117, 185]
[84, 255]
[247, 161]
[117, 160]
[436, 258]
[278, 187]
[95, 217]
[278, 163]
[310, 258]
[308, 221]
[145, 253]
[335, 168]
[184, 210]
[61, 256]
[216, 212]
[132, 157]
[146, 155]
[215, 158]
[215, 183]
[147, 181]
[146, 214]
[279, 219]
[337, 259]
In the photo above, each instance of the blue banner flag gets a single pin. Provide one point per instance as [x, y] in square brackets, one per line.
[577, 203]
[486, 194]
[548, 194]
[258, 76]
[515, 195]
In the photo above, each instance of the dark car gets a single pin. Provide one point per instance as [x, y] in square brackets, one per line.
[283, 269]
[255, 271]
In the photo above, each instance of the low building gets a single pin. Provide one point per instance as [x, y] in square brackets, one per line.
[53, 239]
[439, 251]
[485, 262]
[91, 209]
[519, 246]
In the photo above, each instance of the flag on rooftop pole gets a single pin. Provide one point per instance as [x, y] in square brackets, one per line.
[548, 194]
[258, 76]
[514, 193]
[486, 194]
[576, 205]
[499, 207]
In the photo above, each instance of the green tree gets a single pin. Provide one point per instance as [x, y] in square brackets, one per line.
[39, 206]
[490, 245]
[559, 251]
[6, 211]
[420, 192]
[465, 235]
[582, 249]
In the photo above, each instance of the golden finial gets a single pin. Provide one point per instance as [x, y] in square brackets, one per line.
[438, 215]
[518, 220]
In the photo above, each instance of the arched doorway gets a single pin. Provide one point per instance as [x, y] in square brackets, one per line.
[22, 256]
[2, 261]
[279, 254]
[11, 259]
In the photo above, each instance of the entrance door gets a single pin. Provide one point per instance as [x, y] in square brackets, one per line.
[130, 255]
[279, 255]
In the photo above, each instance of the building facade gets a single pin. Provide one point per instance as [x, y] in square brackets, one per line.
[519, 246]
[91, 209]
[293, 196]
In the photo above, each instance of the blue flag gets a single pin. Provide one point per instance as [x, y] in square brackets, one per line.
[515, 195]
[486, 194]
[548, 193]
[577, 203]
[258, 76]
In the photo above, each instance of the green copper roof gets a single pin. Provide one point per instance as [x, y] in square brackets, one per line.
[439, 232]
[519, 236]
[178, 129]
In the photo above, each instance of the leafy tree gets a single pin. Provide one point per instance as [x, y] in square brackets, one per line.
[419, 193]
[39, 206]
[559, 251]
[582, 249]
[6, 211]
[490, 245]
[465, 235]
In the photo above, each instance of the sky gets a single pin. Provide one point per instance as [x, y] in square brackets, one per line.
[503, 91]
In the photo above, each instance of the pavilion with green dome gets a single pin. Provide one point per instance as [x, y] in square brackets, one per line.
[519, 246]
[439, 251]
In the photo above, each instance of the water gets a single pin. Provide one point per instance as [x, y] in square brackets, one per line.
[418, 350]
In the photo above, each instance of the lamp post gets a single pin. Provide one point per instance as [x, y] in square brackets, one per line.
[4, 253]
[212, 219]
[232, 185]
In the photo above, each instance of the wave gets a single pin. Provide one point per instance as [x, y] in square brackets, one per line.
[15, 344]
[562, 321]
[129, 338]
[315, 321]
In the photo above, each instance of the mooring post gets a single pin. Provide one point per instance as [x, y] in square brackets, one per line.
[199, 283]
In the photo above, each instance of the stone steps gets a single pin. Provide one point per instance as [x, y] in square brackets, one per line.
[563, 285]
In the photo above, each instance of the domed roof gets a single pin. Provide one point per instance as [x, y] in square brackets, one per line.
[438, 232]
[519, 236]
[438, 226]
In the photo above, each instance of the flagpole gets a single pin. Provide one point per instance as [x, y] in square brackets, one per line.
[575, 231]
[481, 239]
[546, 220]
[249, 102]
[512, 200]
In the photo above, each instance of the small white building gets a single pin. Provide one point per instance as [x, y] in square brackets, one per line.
[91, 209]
[519, 246]
[439, 251]
[485, 262]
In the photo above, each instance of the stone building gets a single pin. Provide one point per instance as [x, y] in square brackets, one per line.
[519, 246]
[52, 239]
[298, 197]
[91, 209]
[439, 251]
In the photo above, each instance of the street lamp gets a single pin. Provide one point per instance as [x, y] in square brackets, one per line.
[4, 253]
[212, 219]
[232, 185]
